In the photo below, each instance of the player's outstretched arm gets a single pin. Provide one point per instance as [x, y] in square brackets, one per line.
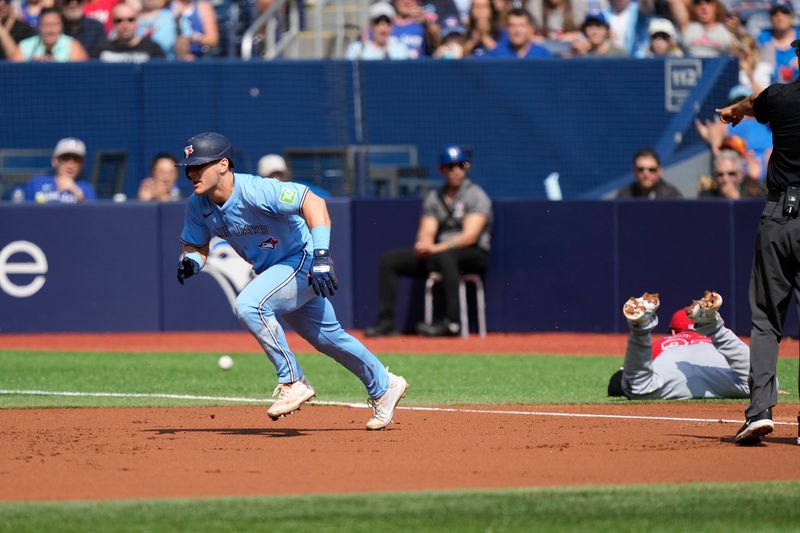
[321, 276]
[734, 113]
[192, 261]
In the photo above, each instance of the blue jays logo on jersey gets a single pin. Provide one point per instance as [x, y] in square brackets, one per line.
[269, 244]
[187, 151]
[458, 210]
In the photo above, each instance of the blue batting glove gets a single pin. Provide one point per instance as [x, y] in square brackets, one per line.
[322, 277]
[187, 268]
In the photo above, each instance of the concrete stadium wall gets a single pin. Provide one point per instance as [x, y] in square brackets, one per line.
[555, 266]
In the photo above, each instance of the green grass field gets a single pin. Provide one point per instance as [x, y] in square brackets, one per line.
[668, 508]
[436, 380]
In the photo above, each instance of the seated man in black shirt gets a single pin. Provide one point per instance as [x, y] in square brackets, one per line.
[453, 238]
[127, 47]
[649, 184]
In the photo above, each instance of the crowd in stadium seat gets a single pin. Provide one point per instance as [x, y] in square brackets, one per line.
[758, 32]
[76, 30]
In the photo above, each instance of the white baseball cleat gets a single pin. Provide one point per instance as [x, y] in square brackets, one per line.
[640, 311]
[704, 310]
[383, 407]
[290, 396]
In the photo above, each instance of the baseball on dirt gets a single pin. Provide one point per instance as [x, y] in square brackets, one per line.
[225, 362]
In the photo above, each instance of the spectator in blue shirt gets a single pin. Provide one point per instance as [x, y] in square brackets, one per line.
[419, 24]
[156, 22]
[521, 32]
[775, 43]
[64, 186]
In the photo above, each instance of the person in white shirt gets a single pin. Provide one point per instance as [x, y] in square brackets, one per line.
[377, 42]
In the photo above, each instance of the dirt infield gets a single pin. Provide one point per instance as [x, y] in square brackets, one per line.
[224, 451]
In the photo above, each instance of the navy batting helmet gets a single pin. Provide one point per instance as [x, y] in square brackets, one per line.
[205, 148]
[452, 154]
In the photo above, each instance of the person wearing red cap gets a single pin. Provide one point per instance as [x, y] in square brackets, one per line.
[701, 358]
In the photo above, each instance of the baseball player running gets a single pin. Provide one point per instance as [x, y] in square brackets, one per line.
[706, 361]
[283, 230]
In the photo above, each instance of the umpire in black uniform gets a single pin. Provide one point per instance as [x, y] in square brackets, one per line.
[776, 260]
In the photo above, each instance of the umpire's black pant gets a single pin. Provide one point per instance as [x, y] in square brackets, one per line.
[450, 264]
[776, 273]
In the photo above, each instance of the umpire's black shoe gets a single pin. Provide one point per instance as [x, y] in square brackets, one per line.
[384, 328]
[754, 428]
[439, 329]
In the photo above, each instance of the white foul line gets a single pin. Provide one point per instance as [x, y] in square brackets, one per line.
[234, 399]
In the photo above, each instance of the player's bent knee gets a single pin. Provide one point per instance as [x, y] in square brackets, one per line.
[244, 309]
[249, 309]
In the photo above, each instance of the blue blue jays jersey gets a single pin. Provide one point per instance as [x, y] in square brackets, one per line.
[261, 220]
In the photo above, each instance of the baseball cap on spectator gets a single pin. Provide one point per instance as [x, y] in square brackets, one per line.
[70, 145]
[680, 322]
[271, 163]
[452, 154]
[594, 17]
[739, 92]
[455, 29]
[781, 5]
[659, 25]
[381, 9]
[735, 143]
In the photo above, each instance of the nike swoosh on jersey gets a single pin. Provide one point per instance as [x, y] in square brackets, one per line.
[206, 215]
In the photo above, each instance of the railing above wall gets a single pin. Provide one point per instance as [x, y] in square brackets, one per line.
[267, 35]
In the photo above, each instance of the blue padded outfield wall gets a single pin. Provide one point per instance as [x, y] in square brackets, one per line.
[555, 266]
[583, 118]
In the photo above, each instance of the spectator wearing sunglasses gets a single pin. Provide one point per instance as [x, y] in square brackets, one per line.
[729, 180]
[649, 183]
[89, 32]
[127, 47]
[453, 238]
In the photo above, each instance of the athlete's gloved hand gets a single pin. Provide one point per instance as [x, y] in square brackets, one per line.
[321, 276]
[187, 268]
